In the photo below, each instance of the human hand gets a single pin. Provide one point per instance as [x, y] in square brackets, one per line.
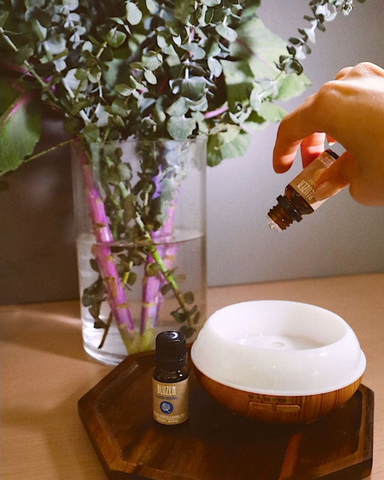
[349, 110]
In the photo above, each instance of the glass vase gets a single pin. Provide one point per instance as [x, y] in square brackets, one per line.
[140, 218]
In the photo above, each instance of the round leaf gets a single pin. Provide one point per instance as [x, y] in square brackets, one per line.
[215, 66]
[151, 60]
[180, 127]
[226, 32]
[178, 108]
[115, 38]
[134, 14]
[193, 87]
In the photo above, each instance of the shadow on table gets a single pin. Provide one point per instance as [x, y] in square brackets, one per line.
[53, 328]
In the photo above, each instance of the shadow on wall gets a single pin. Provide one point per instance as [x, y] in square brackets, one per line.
[37, 244]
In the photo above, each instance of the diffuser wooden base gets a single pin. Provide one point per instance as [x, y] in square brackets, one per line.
[277, 409]
[214, 444]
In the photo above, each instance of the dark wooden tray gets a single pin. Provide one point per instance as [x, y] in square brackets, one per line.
[215, 445]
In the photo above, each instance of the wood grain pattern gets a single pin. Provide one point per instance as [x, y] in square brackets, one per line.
[281, 409]
[214, 444]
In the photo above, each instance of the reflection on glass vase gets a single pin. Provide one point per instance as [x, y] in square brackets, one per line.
[140, 216]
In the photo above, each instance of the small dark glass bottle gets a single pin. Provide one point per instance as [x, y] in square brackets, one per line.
[299, 196]
[170, 379]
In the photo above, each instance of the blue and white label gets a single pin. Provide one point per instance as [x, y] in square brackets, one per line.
[170, 402]
[166, 407]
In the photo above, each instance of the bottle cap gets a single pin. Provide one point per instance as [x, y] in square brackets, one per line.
[171, 349]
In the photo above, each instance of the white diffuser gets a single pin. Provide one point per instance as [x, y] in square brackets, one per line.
[278, 361]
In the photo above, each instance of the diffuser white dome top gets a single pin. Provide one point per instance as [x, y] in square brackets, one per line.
[278, 347]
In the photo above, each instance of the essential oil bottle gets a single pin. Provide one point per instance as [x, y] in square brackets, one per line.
[299, 196]
[170, 379]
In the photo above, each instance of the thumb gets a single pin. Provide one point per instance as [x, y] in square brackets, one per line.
[335, 178]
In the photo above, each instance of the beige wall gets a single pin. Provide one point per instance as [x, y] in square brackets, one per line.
[38, 259]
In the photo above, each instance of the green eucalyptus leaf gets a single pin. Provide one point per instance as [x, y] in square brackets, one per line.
[91, 132]
[215, 66]
[183, 10]
[178, 108]
[258, 46]
[226, 32]
[211, 3]
[165, 288]
[234, 142]
[151, 60]
[256, 98]
[150, 77]
[271, 112]
[198, 105]
[119, 107]
[197, 52]
[123, 89]
[188, 298]
[55, 44]
[94, 75]
[162, 39]
[98, 323]
[134, 14]
[94, 265]
[152, 6]
[180, 128]
[132, 277]
[71, 4]
[187, 331]
[231, 143]
[128, 208]
[136, 66]
[19, 132]
[193, 87]
[86, 299]
[115, 38]
[292, 85]
[152, 269]
[36, 13]
[239, 81]
[178, 316]
[75, 109]
[255, 122]
[125, 171]
[24, 53]
[212, 47]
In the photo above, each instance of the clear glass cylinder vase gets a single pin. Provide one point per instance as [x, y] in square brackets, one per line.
[140, 218]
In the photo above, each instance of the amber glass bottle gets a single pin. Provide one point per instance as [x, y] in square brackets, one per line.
[299, 196]
[170, 379]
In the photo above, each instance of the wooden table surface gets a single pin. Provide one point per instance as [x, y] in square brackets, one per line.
[44, 372]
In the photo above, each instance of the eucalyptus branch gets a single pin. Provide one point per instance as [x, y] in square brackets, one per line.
[49, 150]
[106, 330]
[92, 64]
[299, 47]
[30, 68]
[82, 113]
[162, 267]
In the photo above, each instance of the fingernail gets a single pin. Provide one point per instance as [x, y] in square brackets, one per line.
[325, 190]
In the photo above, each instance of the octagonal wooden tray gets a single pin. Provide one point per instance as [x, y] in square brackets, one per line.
[215, 445]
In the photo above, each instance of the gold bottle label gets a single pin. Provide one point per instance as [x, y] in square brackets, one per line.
[170, 402]
[305, 182]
